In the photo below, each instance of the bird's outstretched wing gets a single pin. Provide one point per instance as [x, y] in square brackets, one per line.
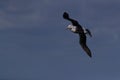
[74, 22]
[83, 44]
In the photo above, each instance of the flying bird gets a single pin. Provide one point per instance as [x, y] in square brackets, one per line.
[75, 27]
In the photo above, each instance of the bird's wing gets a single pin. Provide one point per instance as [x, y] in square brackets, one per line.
[83, 44]
[74, 22]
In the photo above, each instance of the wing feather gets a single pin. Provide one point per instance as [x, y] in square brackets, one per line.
[83, 44]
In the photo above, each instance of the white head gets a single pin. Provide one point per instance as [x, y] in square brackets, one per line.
[71, 28]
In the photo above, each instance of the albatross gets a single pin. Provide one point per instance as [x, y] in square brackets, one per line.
[75, 27]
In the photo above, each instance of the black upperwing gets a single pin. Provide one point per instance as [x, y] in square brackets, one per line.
[66, 16]
[82, 42]
[74, 22]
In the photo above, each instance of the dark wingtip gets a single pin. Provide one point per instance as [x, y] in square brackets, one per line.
[65, 15]
[90, 56]
[86, 49]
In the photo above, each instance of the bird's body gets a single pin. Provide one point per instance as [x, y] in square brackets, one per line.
[74, 29]
[77, 28]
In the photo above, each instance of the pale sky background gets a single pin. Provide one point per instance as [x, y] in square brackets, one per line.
[34, 44]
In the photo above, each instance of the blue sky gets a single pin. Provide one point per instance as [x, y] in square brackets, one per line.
[34, 44]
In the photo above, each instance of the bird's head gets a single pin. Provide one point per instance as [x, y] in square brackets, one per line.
[71, 28]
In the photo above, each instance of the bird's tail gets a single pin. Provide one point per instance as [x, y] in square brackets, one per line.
[88, 32]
